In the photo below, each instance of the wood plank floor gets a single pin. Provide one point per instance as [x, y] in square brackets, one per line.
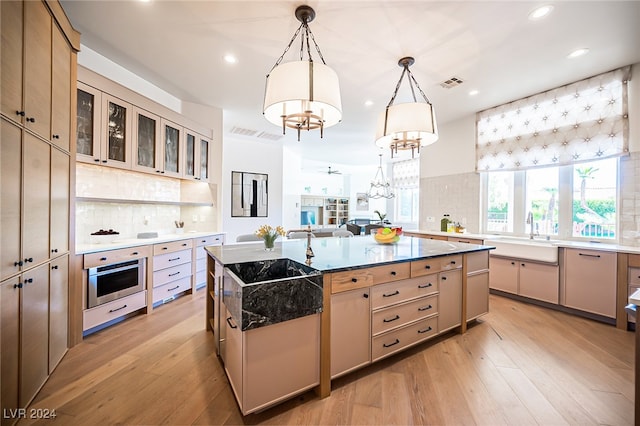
[518, 365]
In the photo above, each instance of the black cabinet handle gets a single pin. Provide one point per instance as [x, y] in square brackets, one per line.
[20, 113]
[366, 295]
[427, 285]
[117, 309]
[203, 241]
[393, 272]
[103, 259]
[174, 274]
[54, 250]
[453, 262]
[522, 264]
[104, 161]
[135, 253]
[588, 255]
[56, 136]
[184, 244]
[425, 308]
[355, 280]
[391, 294]
[426, 330]
[391, 344]
[28, 281]
[97, 160]
[513, 263]
[174, 288]
[444, 278]
[231, 325]
[18, 263]
[31, 119]
[28, 260]
[19, 285]
[397, 317]
[175, 258]
[165, 248]
[427, 267]
[54, 267]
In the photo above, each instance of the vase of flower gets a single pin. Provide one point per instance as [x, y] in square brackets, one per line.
[269, 235]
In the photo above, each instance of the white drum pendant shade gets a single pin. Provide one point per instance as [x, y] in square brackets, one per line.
[302, 87]
[410, 122]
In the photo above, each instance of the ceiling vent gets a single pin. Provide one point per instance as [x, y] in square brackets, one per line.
[242, 132]
[270, 136]
[451, 83]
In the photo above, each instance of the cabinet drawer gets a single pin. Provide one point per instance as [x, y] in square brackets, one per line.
[167, 260]
[395, 272]
[211, 240]
[465, 240]
[400, 291]
[429, 266]
[634, 276]
[634, 260]
[107, 257]
[350, 280]
[477, 261]
[201, 265]
[112, 310]
[171, 289]
[398, 315]
[171, 274]
[201, 253]
[389, 343]
[201, 277]
[172, 246]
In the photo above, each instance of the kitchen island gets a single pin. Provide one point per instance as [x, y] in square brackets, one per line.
[362, 302]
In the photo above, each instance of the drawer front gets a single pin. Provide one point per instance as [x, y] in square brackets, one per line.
[107, 257]
[429, 266]
[398, 315]
[634, 276]
[350, 280]
[465, 240]
[201, 253]
[395, 272]
[171, 274]
[168, 260]
[112, 310]
[211, 240]
[478, 261]
[171, 289]
[634, 260]
[389, 343]
[201, 278]
[201, 265]
[172, 246]
[400, 291]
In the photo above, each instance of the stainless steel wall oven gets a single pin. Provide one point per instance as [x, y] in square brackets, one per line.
[112, 282]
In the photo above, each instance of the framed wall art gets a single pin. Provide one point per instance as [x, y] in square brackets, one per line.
[249, 194]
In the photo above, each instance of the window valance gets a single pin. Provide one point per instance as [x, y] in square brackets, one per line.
[582, 121]
[406, 174]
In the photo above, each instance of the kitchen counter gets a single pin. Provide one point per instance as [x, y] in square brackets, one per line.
[136, 242]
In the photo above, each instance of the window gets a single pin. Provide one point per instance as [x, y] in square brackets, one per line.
[578, 201]
[407, 204]
[406, 185]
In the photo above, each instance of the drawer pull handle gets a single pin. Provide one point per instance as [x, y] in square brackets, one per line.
[135, 253]
[391, 344]
[427, 285]
[366, 295]
[231, 325]
[426, 330]
[588, 255]
[444, 278]
[463, 241]
[397, 317]
[103, 259]
[453, 262]
[395, 293]
[355, 280]
[28, 260]
[54, 267]
[203, 241]
[427, 267]
[174, 274]
[425, 308]
[513, 263]
[175, 258]
[184, 244]
[117, 309]
[19, 285]
[165, 248]
[28, 280]
[523, 265]
[393, 272]
[174, 288]
[18, 263]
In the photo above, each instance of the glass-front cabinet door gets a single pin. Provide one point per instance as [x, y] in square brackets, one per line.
[89, 105]
[190, 162]
[116, 131]
[205, 145]
[146, 141]
[172, 145]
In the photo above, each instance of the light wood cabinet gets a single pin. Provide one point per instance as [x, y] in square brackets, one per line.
[58, 310]
[350, 331]
[88, 123]
[12, 29]
[60, 210]
[525, 278]
[504, 274]
[590, 281]
[61, 92]
[477, 287]
[450, 311]
[172, 149]
[10, 343]
[115, 149]
[10, 196]
[146, 141]
[196, 156]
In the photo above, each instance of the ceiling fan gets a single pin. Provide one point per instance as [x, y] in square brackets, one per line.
[333, 172]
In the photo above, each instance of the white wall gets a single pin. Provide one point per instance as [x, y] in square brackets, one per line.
[257, 157]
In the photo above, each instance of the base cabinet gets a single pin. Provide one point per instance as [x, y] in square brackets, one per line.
[269, 364]
[450, 285]
[590, 281]
[525, 278]
[350, 328]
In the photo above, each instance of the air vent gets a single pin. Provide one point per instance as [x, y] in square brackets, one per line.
[270, 136]
[451, 83]
[242, 132]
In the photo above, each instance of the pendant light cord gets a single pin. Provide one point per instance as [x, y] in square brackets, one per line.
[305, 36]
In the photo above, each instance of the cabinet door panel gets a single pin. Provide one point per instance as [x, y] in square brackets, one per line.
[539, 282]
[10, 335]
[190, 163]
[61, 92]
[204, 159]
[477, 295]
[173, 149]
[146, 147]
[590, 281]
[504, 274]
[88, 123]
[37, 68]
[116, 131]
[34, 332]
[59, 202]
[350, 330]
[11, 57]
[10, 176]
[58, 310]
[450, 300]
[233, 355]
[36, 163]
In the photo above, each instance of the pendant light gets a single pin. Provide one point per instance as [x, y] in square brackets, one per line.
[303, 95]
[380, 187]
[407, 126]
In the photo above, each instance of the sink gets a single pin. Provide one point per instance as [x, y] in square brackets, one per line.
[525, 248]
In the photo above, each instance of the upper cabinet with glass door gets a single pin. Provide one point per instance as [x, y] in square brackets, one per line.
[146, 142]
[196, 156]
[172, 149]
[88, 119]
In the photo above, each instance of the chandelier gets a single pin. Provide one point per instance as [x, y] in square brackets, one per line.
[407, 126]
[303, 95]
[380, 187]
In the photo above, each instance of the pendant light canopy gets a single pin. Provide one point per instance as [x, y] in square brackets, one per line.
[380, 187]
[407, 126]
[303, 95]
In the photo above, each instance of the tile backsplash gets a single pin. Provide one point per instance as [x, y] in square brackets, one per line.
[142, 203]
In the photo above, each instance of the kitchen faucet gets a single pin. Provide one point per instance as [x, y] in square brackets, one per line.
[530, 223]
[309, 252]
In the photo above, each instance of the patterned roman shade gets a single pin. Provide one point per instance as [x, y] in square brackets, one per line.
[406, 174]
[583, 121]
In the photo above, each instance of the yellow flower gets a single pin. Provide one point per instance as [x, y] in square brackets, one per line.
[267, 231]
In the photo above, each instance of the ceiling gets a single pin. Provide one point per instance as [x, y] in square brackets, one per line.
[491, 46]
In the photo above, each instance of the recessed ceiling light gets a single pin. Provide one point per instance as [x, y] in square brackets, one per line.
[540, 12]
[230, 59]
[578, 52]
[368, 103]
[473, 93]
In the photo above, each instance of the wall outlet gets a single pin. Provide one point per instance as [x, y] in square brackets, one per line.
[430, 219]
[194, 218]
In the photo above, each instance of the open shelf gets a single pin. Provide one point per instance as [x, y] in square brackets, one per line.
[127, 201]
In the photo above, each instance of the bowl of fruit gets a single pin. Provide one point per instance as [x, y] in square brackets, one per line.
[103, 236]
[386, 235]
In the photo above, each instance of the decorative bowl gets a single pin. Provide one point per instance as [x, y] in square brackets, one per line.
[386, 235]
